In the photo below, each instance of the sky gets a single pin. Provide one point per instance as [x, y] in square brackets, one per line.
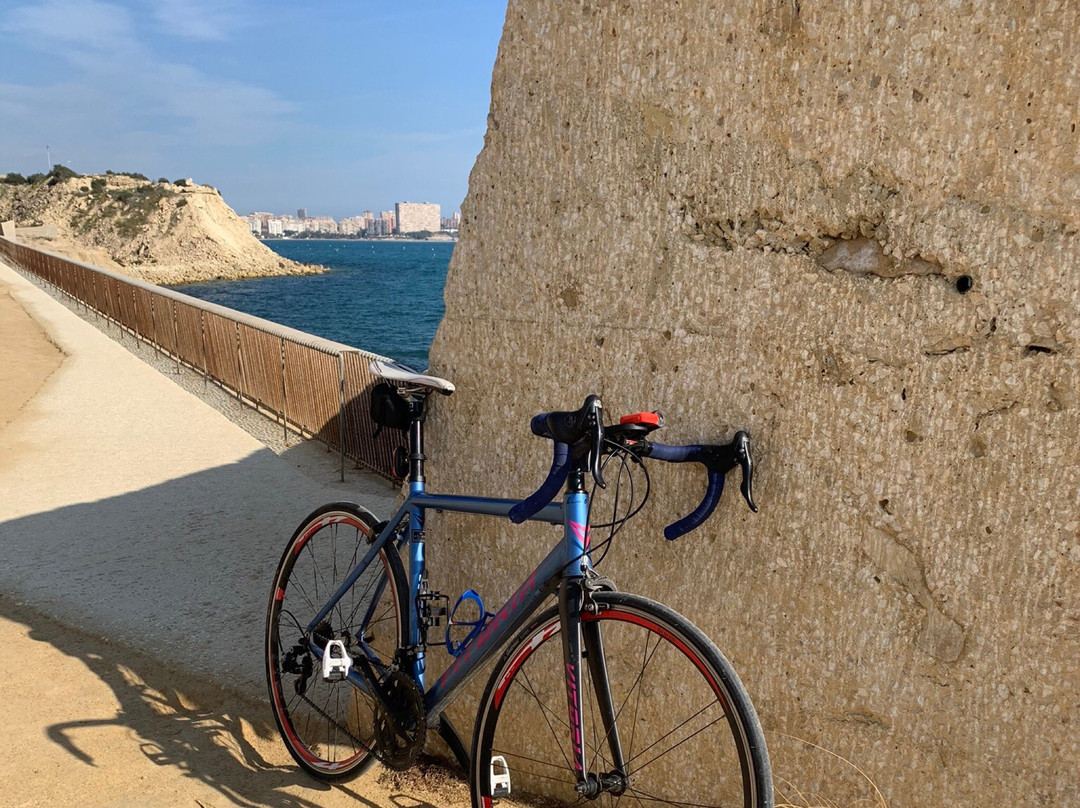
[333, 107]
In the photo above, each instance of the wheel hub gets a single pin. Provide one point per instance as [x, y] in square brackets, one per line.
[596, 784]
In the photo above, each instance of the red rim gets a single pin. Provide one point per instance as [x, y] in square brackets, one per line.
[281, 712]
[608, 614]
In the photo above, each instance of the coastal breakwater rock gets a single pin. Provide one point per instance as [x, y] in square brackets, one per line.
[160, 232]
[850, 228]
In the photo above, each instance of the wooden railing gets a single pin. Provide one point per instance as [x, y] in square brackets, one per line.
[318, 387]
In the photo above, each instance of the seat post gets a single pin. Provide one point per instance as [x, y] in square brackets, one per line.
[416, 442]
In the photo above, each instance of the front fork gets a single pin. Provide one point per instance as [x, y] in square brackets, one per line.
[582, 638]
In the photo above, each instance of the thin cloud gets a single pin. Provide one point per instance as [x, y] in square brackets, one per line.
[108, 60]
[75, 22]
[202, 20]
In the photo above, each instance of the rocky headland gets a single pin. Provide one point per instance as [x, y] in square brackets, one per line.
[162, 232]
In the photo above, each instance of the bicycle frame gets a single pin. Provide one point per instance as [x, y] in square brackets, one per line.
[567, 560]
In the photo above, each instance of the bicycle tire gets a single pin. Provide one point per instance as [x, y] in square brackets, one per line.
[713, 761]
[326, 726]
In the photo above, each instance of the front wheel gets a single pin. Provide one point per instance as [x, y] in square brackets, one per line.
[330, 726]
[685, 726]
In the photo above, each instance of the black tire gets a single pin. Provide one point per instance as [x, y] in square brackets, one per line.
[328, 727]
[669, 686]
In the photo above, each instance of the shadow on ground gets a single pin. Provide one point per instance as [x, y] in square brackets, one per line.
[207, 734]
[177, 575]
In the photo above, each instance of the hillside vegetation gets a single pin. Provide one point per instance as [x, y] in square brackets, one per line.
[163, 232]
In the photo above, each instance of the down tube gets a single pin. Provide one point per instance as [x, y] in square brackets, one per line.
[511, 617]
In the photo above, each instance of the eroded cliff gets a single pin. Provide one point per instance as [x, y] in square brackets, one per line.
[161, 232]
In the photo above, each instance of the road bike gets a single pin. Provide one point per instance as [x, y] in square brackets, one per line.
[595, 694]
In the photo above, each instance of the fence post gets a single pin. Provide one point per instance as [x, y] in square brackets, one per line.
[284, 397]
[176, 335]
[202, 334]
[239, 368]
[120, 312]
[341, 415]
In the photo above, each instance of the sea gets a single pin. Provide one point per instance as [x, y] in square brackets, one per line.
[381, 296]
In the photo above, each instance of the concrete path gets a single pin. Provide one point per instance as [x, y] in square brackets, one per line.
[132, 510]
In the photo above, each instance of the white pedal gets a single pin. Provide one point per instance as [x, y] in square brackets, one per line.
[336, 662]
[500, 777]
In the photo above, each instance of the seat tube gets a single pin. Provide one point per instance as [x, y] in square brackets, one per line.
[417, 539]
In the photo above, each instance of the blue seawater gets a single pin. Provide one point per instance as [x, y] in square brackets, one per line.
[382, 296]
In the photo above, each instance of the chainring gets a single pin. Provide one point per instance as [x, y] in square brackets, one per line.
[400, 735]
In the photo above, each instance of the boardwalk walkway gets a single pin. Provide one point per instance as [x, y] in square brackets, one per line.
[131, 510]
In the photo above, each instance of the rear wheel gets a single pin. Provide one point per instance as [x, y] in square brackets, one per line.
[329, 727]
[687, 730]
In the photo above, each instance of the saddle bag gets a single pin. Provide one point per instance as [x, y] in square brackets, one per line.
[388, 408]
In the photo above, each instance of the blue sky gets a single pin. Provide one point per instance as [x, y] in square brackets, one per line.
[335, 107]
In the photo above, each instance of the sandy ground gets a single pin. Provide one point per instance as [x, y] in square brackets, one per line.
[148, 525]
[92, 724]
[27, 358]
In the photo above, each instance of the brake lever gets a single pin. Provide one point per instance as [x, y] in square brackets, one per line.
[596, 424]
[746, 462]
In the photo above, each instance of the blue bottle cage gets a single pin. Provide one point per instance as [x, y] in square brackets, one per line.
[455, 648]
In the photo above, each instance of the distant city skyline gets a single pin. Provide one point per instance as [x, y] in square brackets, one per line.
[279, 105]
[406, 217]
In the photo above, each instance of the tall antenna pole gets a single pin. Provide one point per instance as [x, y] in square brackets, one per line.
[48, 154]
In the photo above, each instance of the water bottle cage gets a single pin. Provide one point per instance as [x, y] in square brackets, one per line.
[454, 648]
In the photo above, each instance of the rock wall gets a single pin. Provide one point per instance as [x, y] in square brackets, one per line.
[850, 228]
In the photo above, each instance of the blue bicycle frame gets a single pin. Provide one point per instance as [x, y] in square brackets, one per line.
[568, 559]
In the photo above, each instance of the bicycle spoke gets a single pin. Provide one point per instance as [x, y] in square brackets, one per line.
[673, 730]
[548, 711]
[615, 723]
[505, 753]
[544, 711]
[297, 584]
[363, 599]
[592, 722]
[642, 795]
[637, 702]
[640, 675]
[680, 743]
[314, 568]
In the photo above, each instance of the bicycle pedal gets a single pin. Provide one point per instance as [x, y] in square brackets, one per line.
[431, 609]
[500, 777]
[336, 662]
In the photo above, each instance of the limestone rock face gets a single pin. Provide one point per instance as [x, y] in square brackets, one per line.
[760, 215]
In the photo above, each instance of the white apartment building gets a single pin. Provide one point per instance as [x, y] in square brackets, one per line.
[413, 217]
[351, 225]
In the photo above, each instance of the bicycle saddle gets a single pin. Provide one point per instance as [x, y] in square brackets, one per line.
[393, 372]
